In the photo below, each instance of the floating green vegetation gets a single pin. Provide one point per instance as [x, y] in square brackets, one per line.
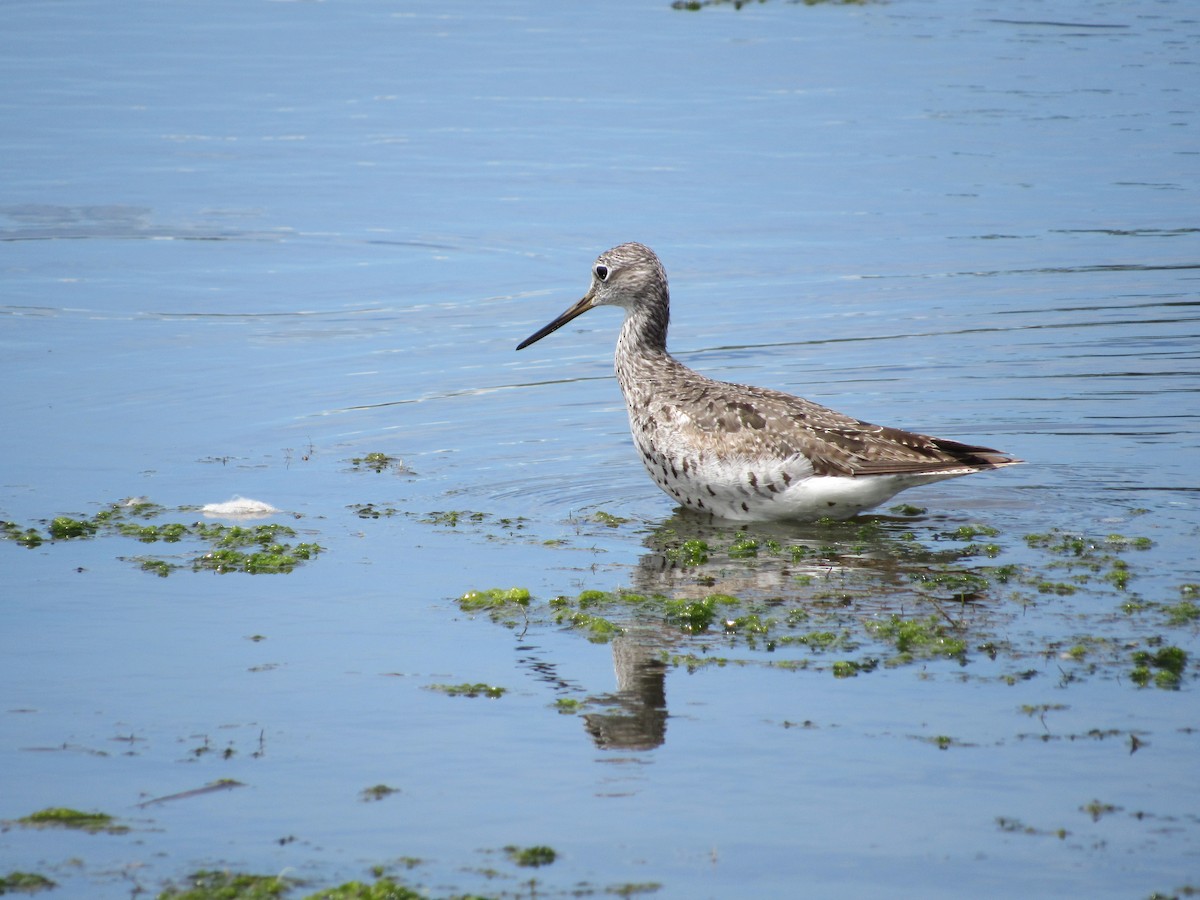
[568, 706]
[64, 528]
[532, 857]
[634, 888]
[208, 885]
[1092, 734]
[64, 817]
[171, 533]
[750, 624]
[574, 613]
[479, 689]
[1065, 543]
[1085, 559]
[595, 598]
[743, 547]
[694, 662]
[608, 519]
[918, 638]
[26, 537]
[1016, 826]
[822, 641]
[1184, 612]
[501, 605]
[1098, 810]
[1165, 667]
[1119, 574]
[970, 532]
[688, 554]
[1060, 588]
[845, 598]
[371, 511]
[494, 598]
[257, 549]
[598, 629]
[1060, 543]
[691, 615]
[383, 889]
[452, 518]
[25, 883]
[377, 792]
[493, 527]
[212, 885]
[951, 583]
[233, 549]
[159, 567]
[845, 668]
[688, 615]
[377, 462]
[941, 741]
[602, 615]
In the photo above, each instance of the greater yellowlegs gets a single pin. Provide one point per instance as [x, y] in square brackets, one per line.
[742, 452]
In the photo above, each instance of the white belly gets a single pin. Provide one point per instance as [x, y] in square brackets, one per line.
[763, 490]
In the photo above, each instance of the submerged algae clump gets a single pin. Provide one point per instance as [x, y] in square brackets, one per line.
[25, 882]
[1169, 662]
[259, 549]
[532, 857]
[918, 638]
[467, 689]
[65, 817]
[212, 885]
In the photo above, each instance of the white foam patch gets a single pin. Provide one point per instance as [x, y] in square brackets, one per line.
[239, 508]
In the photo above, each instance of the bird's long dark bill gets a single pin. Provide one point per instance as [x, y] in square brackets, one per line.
[577, 310]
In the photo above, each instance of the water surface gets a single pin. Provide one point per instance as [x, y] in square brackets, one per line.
[242, 244]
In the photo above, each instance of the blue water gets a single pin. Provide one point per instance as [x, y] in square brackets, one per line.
[243, 243]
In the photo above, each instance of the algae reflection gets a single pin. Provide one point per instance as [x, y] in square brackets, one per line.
[840, 599]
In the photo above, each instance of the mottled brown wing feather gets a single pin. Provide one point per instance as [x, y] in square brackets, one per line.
[751, 421]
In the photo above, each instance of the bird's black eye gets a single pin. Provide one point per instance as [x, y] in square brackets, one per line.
[602, 272]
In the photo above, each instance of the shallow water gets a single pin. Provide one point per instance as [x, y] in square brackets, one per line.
[244, 244]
